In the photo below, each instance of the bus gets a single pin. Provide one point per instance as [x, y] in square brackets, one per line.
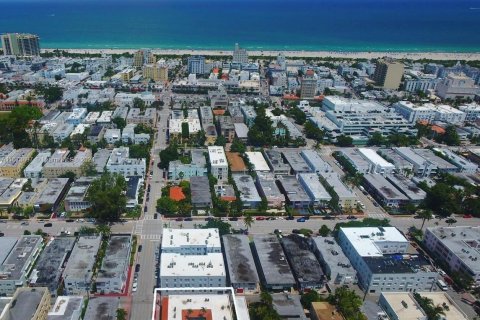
[442, 285]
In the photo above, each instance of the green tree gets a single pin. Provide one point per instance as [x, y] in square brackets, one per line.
[450, 137]
[425, 215]
[238, 146]
[344, 141]
[26, 233]
[347, 302]
[168, 154]
[121, 314]
[261, 132]
[222, 226]
[312, 131]
[69, 174]
[185, 130]
[139, 103]
[165, 205]
[376, 139]
[433, 312]
[107, 196]
[443, 199]
[248, 220]
[324, 231]
[309, 297]
[221, 141]
[119, 122]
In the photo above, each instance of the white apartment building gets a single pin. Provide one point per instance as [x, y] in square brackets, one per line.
[123, 99]
[113, 135]
[472, 111]
[191, 258]
[34, 168]
[414, 113]
[456, 246]
[463, 164]
[377, 163]
[218, 162]
[448, 114]
[62, 132]
[77, 116]
[120, 162]
[455, 85]
[380, 257]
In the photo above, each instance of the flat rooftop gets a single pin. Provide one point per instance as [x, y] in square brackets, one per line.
[342, 191]
[325, 310]
[214, 307]
[407, 187]
[116, 257]
[25, 303]
[372, 155]
[364, 239]
[275, 160]
[295, 160]
[315, 161]
[14, 265]
[176, 238]
[240, 263]
[48, 268]
[80, 263]
[464, 242]
[436, 160]
[288, 306]
[102, 308]
[246, 187]
[384, 187]
[53, 191]
[409, 154]
[268, 186]
[399, 161]
[200, 189]
[333, 254]
[304, 263]
[293, 189]
[314, 187]
[398, 263]
[177, 265]
[404, 305]
[274, 264]
[6, 245]
[441, 298]
[258, 161]
[217, 157]
[65, 307]
[100, 159]
[355, 157]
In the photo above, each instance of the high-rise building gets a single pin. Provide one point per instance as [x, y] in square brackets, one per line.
[156, 72]
[20, 44]
[240, 55]
[142, 57]
[308, 86]
[196, 64]
[388, 73]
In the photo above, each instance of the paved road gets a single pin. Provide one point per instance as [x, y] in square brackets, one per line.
[148, 229]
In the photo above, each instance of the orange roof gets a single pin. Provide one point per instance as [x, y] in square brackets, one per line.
[320, 97]
[176, 193]
[290, 97]
[228, 198]
[438, 129]
[218, 112]
[423, 122]
[236, 162]
[164, 315]
[215, 70]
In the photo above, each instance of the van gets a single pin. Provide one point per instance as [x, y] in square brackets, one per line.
[442, 285]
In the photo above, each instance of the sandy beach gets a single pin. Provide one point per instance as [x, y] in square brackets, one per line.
[299, 54]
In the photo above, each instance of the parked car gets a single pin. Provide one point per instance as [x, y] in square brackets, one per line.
[24, 223]
[69, 220]
[47, 225]
[179, 219]
[259, 218]
[328, 218]
[2, 234]
[140, 247]
[296, 231]
[233, 219]
[352, 218]
[451, 221]
[188, 219]
[208, 218]
[155, 216]
[467, 216]
[290, 218]
[301, 219]
[137, 267]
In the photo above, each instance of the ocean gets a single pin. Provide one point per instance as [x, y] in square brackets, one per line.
[327, 25]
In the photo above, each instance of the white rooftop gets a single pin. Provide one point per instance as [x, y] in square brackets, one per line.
[404, 306]
[441, 298]
[365, 239]
[217, 156]
[175, 238]
[177, 265]
[372, 155]
[258, 161]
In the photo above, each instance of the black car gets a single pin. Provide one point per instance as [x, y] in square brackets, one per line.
[145, 209]
[140, 247]
[296, 231]
[69, 220]
[328, 218]
[155, 216]
[2, 234]
[188, 219]
[179, 219]
[208, 218]
[451, 221]
[233, 219]
[290, 218]
[47, 225]
[352, 218]
[137, 267]
[306, 217]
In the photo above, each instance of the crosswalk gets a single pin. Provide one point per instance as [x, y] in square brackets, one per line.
[151, 237]
[139, 227]
[377, 215]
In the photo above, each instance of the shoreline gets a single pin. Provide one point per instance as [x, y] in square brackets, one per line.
[295, 53]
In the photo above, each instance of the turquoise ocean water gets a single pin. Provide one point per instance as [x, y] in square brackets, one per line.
[332, 25]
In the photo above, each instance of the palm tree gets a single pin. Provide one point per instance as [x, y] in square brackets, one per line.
[248, 220]
[425, 214]
[104, 230]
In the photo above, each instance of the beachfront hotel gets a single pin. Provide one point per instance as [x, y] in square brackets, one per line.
[20, 44]
[388, 74]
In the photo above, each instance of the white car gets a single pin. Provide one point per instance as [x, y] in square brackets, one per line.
[134, 288]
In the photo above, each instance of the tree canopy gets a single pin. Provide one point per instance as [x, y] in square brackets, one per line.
[107, 195]
[168, 154]
[312, 131]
